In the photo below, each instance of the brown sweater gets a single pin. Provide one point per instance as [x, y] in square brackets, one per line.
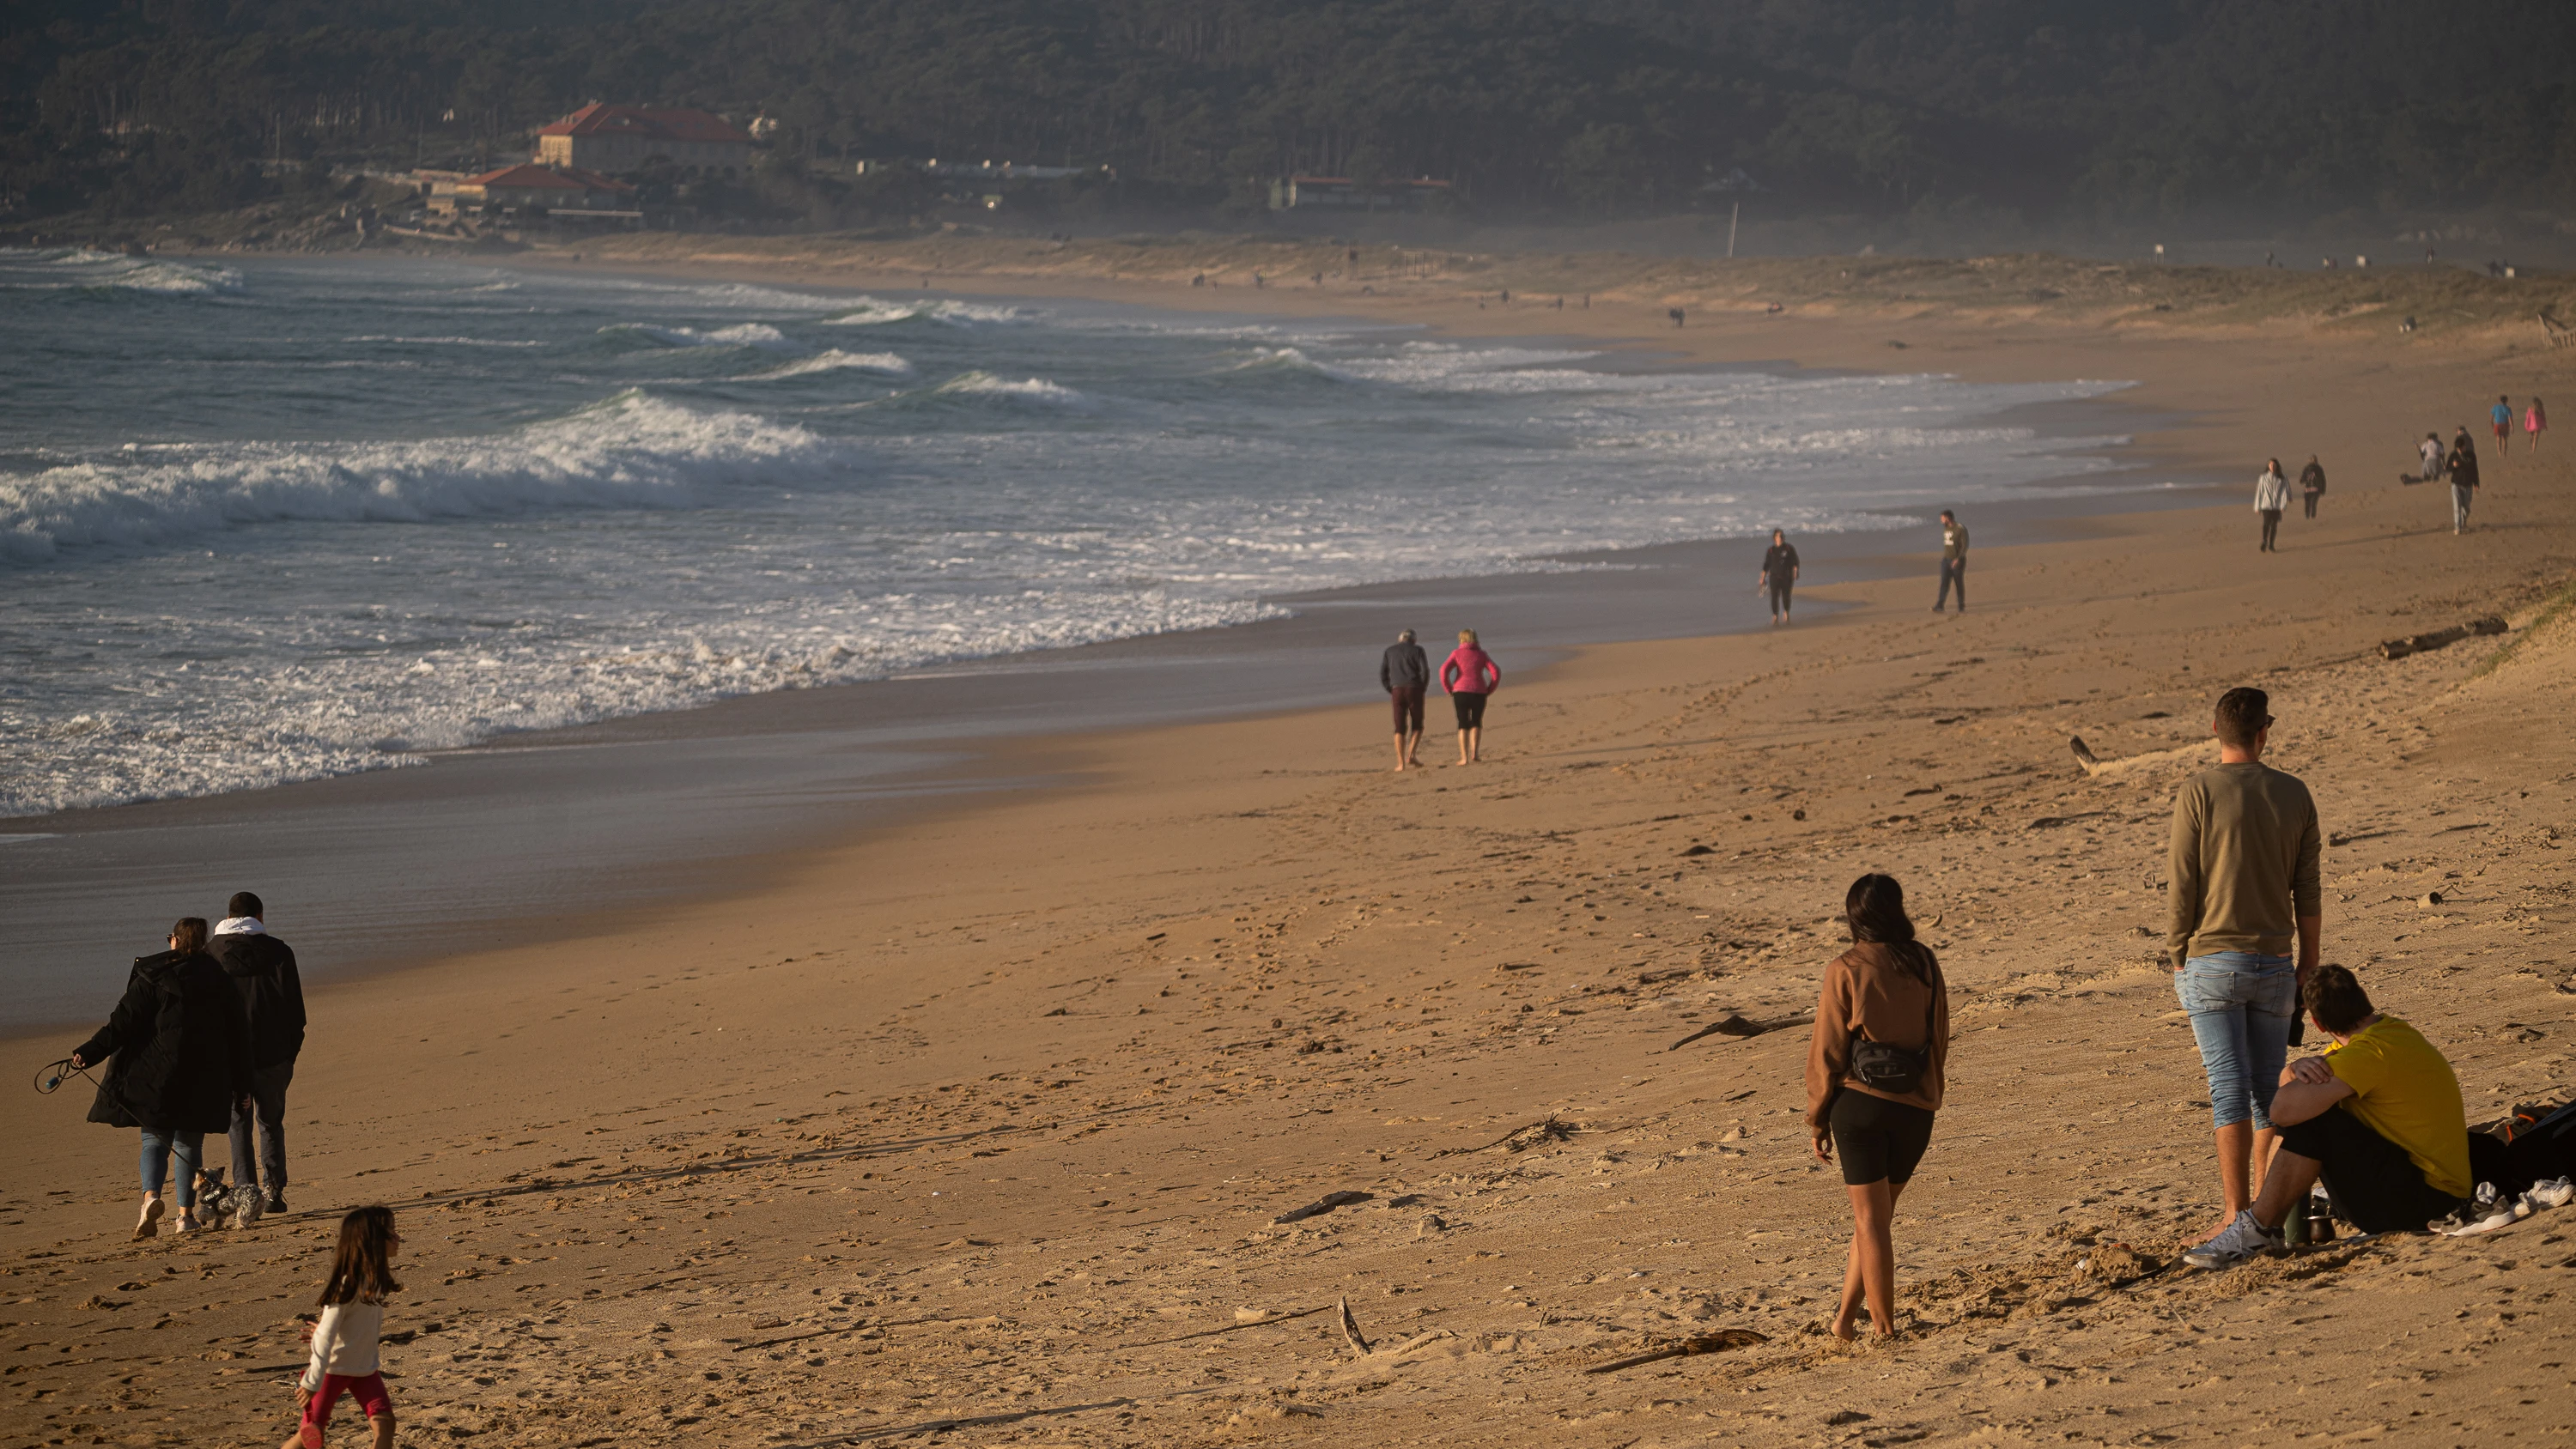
[1869, 991]
[2243, 862]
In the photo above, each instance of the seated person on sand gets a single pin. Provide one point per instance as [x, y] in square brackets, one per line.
[2378, 1117]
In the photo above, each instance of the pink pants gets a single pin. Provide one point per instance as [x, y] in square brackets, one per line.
[368, 1391]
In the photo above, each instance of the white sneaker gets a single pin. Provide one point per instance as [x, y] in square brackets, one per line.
[2241, 1239]
[2489, 1211]
[2551, 1192]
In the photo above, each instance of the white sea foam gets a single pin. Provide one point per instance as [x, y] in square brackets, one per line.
[633, 450]
[876, 312]
[1028, 391]
[741, 334]
[883, 364]
[448, 341]
[83, 269]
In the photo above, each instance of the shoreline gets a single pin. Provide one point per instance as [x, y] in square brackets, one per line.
[995, 1105]
[901, 757]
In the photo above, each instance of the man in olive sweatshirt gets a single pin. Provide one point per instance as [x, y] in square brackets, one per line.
[2244, 887]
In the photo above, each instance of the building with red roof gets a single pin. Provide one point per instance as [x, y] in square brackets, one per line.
[602, 137]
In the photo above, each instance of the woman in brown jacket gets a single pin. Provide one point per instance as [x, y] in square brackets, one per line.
[1874, 1074]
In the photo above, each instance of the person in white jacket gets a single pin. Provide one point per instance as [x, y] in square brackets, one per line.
[2271, 499]
[353, 1320]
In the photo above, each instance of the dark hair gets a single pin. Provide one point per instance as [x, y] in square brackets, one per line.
[189, 934]
[244, 903]
[2243, 713]
[363, 1268]
[2336, 999]
[1874, 907]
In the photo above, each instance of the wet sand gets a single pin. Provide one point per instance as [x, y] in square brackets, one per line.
[960, 1126]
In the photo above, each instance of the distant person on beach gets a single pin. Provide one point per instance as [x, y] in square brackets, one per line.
[1874, 1078]
[2501, 417]
[2535, 421]
[262, 969]
[1470, 675]
[178, 1060]
[2244, 891]
[2271, 499]
[346, 1341]
[1404, 672]
[2312, 483]
[1779, 574]
[2430, 450]
[2463, 468]
[1954, 562]
[2377, 1118]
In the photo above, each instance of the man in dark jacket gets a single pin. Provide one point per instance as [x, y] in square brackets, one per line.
[1405, 673]
[2463, 468]
[262, 969]
[178, 1058]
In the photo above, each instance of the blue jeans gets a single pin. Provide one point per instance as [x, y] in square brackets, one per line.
[2241, 1006]
[158, 1148]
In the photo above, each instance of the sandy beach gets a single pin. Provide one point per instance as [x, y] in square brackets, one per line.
[984, 1125]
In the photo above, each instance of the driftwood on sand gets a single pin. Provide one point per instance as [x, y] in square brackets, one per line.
[2440, 638]
[1718, 1342]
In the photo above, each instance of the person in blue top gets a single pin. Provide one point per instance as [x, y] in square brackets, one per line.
[2502, 416]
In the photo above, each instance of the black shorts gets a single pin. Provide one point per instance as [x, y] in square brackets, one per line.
[2376, 1187]
[1408, 708]
[1876, 1138]
[1471, 710]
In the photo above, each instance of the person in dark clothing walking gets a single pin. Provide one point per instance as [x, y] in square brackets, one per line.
[1954, 562]
[1404, 672]
[2462, 465]
[2312, 483]
[262, 969]
[1779, 573]
[178, 1055]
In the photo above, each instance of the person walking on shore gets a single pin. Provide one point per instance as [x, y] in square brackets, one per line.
[1470, 675]
[262, 969]
[346, 1341]
[2463, 467]
[1404, 672]
[1954, 562]
[1779, 574]
[2312, 483]
[178, 1060]
[2271, 499]
[2535, 421]
[2244, 890]
[2501, 417]
[1875, 1065]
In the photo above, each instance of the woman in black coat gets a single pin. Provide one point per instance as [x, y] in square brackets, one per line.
[181, 1058]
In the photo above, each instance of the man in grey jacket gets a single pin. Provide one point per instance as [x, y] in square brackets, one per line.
[262, 970]
[1404, 672]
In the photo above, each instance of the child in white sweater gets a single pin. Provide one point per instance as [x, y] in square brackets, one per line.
[353, 1318]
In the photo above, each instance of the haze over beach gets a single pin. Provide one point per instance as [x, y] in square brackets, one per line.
[815, 734]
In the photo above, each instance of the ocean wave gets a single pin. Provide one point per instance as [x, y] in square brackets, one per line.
[876, 312]
[82, 270]
[741, 334]
[446, 341]
[1289, 360]
[1029, 391]
[883, 364]
[633, 450]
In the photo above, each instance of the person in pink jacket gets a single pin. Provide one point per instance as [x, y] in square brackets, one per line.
[1469, 674]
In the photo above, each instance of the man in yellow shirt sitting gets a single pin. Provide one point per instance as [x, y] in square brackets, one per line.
[2378, 1117]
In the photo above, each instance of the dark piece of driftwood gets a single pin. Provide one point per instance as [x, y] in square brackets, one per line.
[1323, 1205]
[1718, 1342]
[1231, 1327]
[2439, 638]
[1351, 1328]
[1732, 1026]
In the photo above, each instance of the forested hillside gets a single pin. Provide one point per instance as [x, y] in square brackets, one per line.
[2107, 114]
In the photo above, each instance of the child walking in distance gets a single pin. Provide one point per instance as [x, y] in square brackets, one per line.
[353, 1318]
[1874, 1076]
